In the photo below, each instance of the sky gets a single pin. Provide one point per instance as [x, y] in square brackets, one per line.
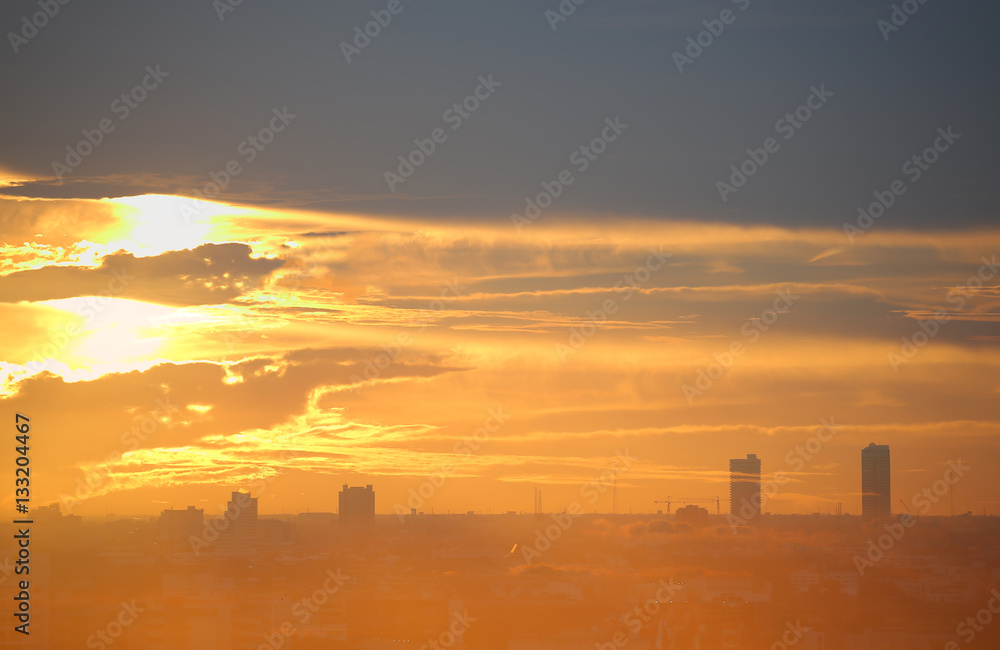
[492, 247]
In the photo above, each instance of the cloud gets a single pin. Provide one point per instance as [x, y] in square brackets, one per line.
[208, 274]
[265, 373]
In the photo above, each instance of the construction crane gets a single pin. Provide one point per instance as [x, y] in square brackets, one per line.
[685, 500]
[666, 502]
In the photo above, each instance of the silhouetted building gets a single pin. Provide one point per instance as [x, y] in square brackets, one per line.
[275, 532]
[241, 511]
[47, 514]
[176, 526]
[693, 515]
[744, 486]
[875, 490]
[50, 519]
[357, 507]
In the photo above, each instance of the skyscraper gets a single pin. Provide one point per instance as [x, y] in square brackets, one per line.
[875, 479]
[744, 486]
[241, 511]
[357, 507]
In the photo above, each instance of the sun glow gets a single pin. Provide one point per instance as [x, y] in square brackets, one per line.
[112, 330]
[156, 223]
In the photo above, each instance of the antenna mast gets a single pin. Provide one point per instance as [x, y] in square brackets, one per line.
[614, 488]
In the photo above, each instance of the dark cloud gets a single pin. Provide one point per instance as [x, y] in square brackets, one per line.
[113, 186]
[208, 274]
[353, 119]
[332, 233]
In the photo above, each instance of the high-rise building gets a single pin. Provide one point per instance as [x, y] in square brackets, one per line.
[241, 511]
[744, 486]
[176, 526]
[357, 507]
[876, 498]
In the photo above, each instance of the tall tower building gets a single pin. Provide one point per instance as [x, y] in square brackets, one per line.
[357, 507]
[242, 514]
[876, 498]
[744, 486]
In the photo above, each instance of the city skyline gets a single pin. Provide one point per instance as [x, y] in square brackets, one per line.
[515, 325]
[305, 582]
[745, 477]
[486, 271]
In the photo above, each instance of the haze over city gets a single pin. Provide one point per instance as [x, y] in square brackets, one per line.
[485, 266]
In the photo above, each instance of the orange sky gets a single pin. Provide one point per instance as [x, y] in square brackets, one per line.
[290, 352]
